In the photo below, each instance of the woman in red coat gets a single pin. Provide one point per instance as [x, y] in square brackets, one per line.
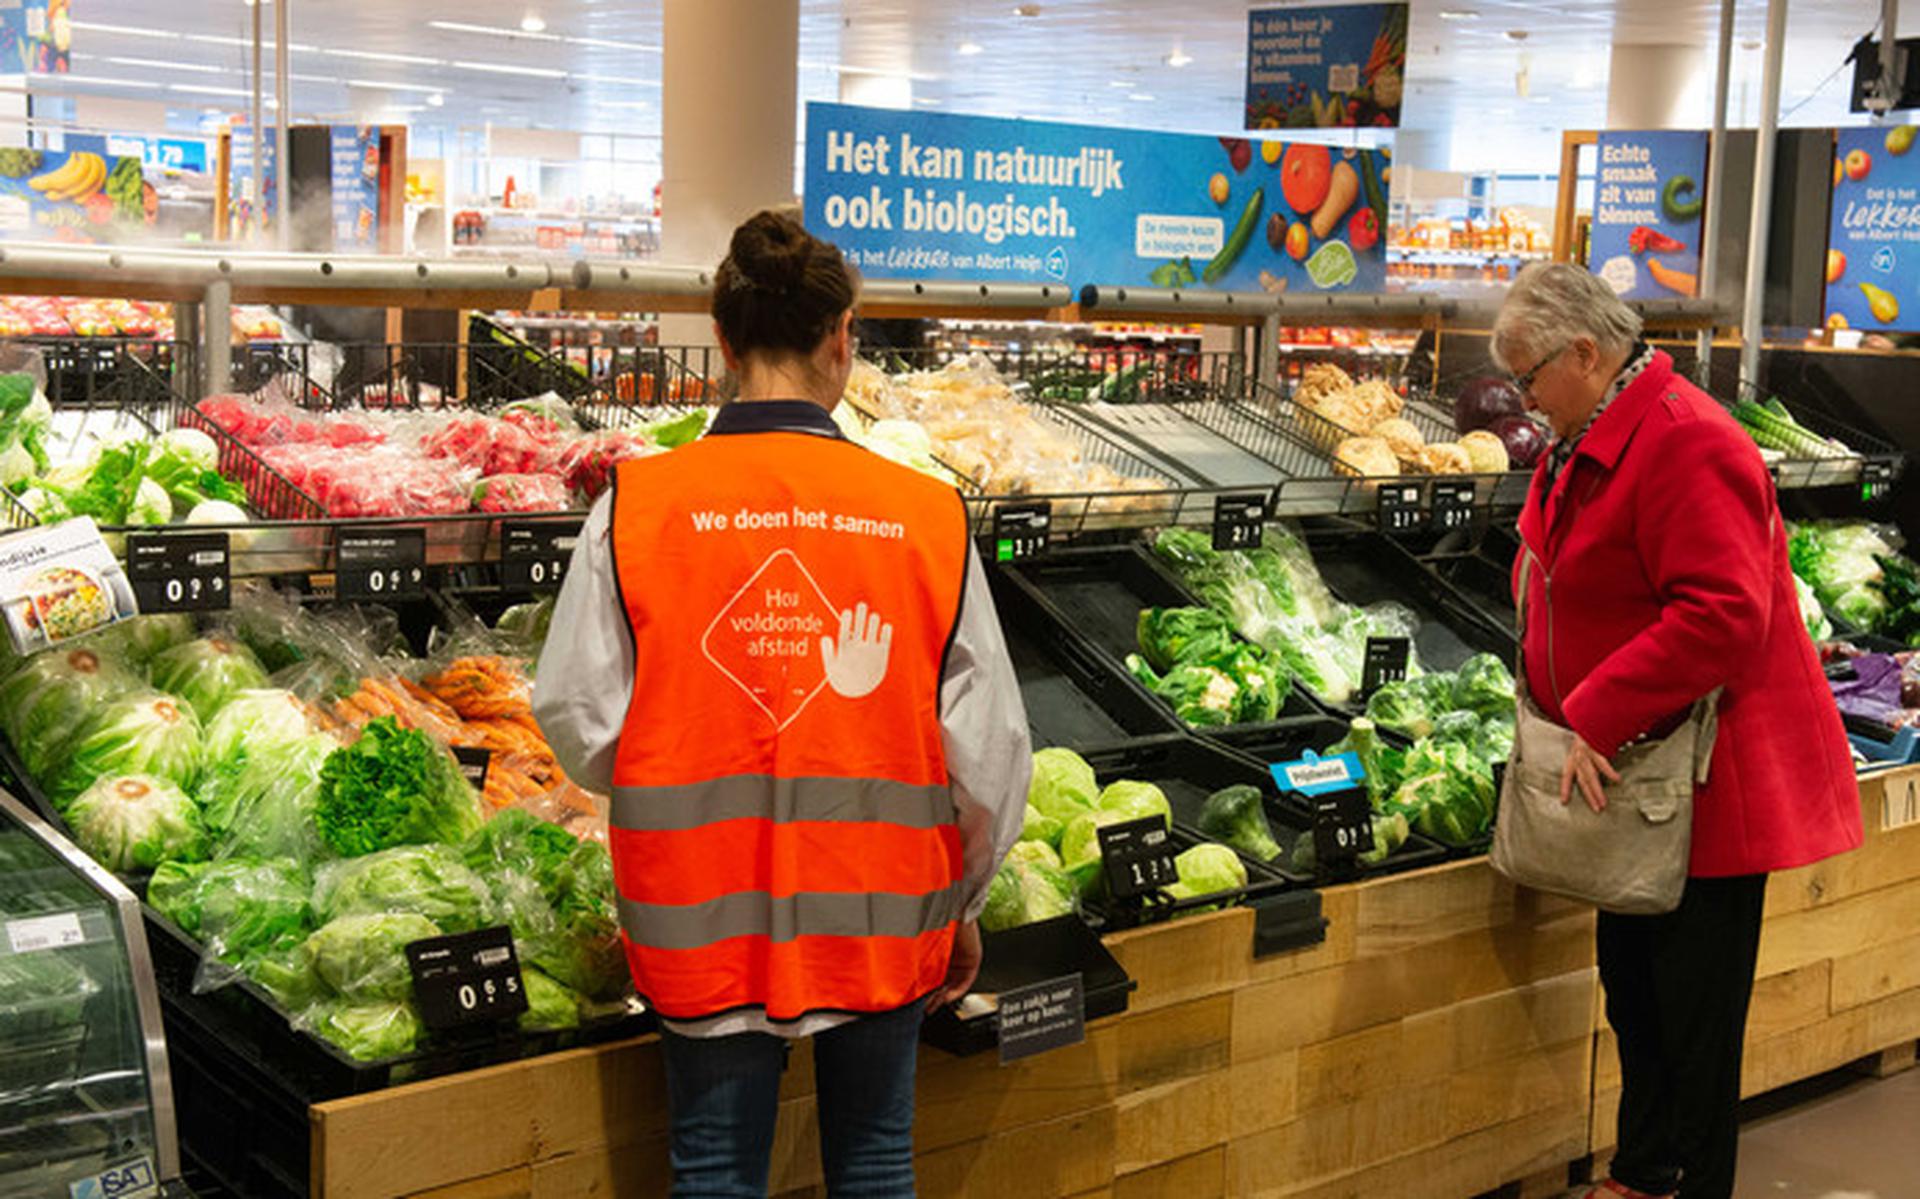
[1659, 573]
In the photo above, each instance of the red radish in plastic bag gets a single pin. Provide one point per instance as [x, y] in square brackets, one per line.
[522, 493]
[588, 463]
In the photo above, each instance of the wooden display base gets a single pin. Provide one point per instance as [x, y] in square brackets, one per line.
[1445, 1041]
[1839, 974]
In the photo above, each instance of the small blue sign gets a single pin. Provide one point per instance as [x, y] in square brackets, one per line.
[910, 195]
[1649, 194]
[1325, 68]
[1870, 282]
[129, 1180]
[1313, 775]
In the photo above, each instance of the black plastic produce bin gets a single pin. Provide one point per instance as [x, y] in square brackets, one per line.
[1019, 957]
[1289, 813]
[1094, 597]
[1482, 576]
[1071, 700]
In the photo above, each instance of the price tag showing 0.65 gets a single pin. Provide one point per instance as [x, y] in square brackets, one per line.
[381, 565]
[467, 978]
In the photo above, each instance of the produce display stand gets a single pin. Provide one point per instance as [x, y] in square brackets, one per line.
[1423, 1031]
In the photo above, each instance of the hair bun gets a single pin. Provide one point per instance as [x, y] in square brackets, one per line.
[772, 254]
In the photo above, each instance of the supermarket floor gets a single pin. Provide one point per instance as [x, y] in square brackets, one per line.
[1835, 1137]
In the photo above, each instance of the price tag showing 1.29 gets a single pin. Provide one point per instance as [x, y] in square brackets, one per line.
[180, 572]
[467, 978]
[380, 565]
[1137, 856]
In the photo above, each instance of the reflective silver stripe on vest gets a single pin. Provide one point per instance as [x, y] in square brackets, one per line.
[782, 918]
[763, 797]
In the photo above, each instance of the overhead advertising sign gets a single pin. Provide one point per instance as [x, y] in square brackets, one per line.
[36, 37]
[939, 196]
[74, 195]
[1873, 244]
[1650, 191]
[1324, 68]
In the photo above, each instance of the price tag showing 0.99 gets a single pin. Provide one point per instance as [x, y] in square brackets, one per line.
[381, 565]
[1452, 506]
[180, 572]
[467, 978]
[534, 553]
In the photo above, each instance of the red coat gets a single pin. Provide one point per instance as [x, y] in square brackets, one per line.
[1660, 572]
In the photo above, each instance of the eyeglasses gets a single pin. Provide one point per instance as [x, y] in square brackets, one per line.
[1525, 382]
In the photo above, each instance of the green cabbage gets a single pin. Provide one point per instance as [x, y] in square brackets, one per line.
[1206, 870]
[1038, 826]
[1063, 785]
[1080, 843]
[1133, 800]
[426, 880]
[1034, 851]
[207, 673]
[370, 1032]
[364, 957]
[140, 734]
[1026, 892]
[135, 822]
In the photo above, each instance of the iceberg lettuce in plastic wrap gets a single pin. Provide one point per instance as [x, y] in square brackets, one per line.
[364, 957]
[207, 673]
[50, 695]
[426, 880]
[134, 822]
[368, 1032]
[252, 720]
[145, 733]
[261, 803]
[143, 638]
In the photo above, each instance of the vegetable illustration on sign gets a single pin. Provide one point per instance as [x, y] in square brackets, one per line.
[1340, 66]
[1873, 240]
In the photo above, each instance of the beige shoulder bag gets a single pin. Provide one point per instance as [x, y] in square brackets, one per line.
[1630, 858]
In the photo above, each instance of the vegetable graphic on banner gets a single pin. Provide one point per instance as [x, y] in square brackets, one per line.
[1873, 244]
[1649, 195]
[939, 196]
[75, 196]
[35, 37]
[1319, 68]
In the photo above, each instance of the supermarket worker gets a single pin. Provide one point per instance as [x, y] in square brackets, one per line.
[777, 651]
[1656, 573]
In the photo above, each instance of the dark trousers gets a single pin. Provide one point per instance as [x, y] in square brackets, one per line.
[725, 1093]
[1677, 992]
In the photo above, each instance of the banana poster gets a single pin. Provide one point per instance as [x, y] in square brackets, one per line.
[76, 196]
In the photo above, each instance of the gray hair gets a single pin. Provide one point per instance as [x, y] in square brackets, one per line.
[1553, 302]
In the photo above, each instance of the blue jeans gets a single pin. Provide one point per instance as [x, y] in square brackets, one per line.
[725, 1094]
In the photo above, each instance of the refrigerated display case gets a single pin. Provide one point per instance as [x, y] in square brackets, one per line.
[86, 1098]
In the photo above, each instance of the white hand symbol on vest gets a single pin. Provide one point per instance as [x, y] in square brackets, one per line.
[859, 662]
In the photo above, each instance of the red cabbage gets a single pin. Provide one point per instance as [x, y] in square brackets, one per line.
[1524, 438]
[1485, 400]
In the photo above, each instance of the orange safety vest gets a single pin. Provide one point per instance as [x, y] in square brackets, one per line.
[783, 832]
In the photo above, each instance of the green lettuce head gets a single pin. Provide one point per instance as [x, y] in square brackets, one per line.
[143, 638]
[550, 1005]
[1063, 785]
[1034, 851]
[426, 880]
[1128, 799]
[261, 803]
[47, 699]
[1038, 826]
[240, 907]
[207, 673]
[148, 734]
[252, 720]
[393, 786]
[134, 822]
[364, 957]
[370, 1032]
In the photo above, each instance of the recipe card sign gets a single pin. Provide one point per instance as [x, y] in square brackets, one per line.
[1325, 68]
[1649, 193]
[914, 195]
[59, 582]
[1873, 244]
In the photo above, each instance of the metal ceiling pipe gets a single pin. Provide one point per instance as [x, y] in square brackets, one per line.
[1760, 226]
[1716, 177]
[283, 113]
[614, 275]
[970, 295]
[366, 272]
[1252, 304]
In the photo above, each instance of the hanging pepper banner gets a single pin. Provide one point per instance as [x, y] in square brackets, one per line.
[911, 195]
[1873, 244]
[1650, 192]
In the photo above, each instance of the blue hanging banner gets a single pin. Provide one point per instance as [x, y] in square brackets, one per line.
[355, 159]
[1873, 245]
[912, 195]
[1650, 190]
[1326, 67]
